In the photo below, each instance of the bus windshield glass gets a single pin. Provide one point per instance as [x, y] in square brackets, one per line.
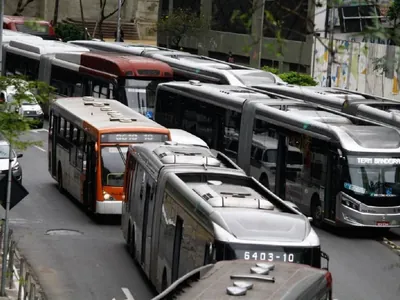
[141, 94]
[113, 165]
[372, 177]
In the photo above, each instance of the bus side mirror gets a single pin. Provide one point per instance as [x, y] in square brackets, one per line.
[19, 155]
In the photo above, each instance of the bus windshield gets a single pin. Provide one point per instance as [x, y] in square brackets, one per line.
[112, 165]
[141, 94]
[377, 177]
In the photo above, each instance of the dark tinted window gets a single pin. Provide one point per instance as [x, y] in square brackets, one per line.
[224, 12]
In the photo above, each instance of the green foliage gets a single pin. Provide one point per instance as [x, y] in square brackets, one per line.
[179, 23]
[298, 79]
[12, 124]
[270, 69]
[292, 77]
[394, 11]
[69, 32]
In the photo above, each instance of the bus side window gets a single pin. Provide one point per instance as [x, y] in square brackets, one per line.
[67, 130]
[82, 150]
[61, 126]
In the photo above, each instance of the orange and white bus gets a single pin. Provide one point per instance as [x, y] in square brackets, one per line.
[87, 146]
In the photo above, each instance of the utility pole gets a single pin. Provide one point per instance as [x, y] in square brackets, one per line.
[119, 21]
[330, 45]
[261, 37]
[1, 31]
[5, 232]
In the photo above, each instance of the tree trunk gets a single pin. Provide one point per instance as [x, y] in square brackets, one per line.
[83, 20]
[21, 7]
[55, 15]
[104, 17]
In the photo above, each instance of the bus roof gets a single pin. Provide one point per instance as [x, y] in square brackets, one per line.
[117, 64]
[219, 189]
[213, 70]
[46, 47]
[135, 49]
[334, 126]
[250, 280]
[103, 114]
[374, 108]
[235, 95]
[186, 138]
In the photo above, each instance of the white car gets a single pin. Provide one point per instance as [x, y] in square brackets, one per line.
[29, 109]
[4, 156]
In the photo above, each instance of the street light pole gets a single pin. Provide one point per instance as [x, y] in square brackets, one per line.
[119, 21]
[5, 232]
[261, 36]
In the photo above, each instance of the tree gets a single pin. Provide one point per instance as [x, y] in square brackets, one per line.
[12, 124]
[83, 19]
[179, 23]
[21, 5]
[394, 12]
[103, 16]
[55, 15]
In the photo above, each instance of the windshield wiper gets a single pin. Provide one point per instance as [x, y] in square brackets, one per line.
[121, 153]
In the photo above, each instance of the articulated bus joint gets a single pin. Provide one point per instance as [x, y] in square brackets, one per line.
[326, 257]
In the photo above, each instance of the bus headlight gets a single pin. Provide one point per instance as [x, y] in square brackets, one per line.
[351, 204]
[107, 196]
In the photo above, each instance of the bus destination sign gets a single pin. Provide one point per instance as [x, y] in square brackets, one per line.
[374, 160]
[128, 137]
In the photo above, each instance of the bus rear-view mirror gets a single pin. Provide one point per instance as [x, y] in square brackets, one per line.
[19, 155]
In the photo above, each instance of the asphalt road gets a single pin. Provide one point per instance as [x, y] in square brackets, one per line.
[96, 265]
[93, 265]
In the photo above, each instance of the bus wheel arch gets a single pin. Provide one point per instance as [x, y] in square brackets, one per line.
[264, 180]
[316, 210]
[60, 178]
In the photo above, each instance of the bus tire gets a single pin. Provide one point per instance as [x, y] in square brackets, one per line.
[264, 180]
[60, 179]
[316, 211]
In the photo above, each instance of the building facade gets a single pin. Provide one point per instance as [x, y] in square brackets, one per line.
[144, 12]
[226, 35]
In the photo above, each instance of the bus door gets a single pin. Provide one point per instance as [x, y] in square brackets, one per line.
[90, 181]
[332, 184]
[147, 227]
[54, 124]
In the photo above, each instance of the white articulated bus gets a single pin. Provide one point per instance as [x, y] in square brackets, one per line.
[188, 66]
[362, 156]
[186, 206]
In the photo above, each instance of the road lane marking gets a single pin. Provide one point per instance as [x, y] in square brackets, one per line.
[127, 294]
[40, 148]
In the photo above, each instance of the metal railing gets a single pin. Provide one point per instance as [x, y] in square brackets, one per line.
[21, 284]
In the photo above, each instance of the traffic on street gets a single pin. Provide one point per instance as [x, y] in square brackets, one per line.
[87, 260]
[153, 167]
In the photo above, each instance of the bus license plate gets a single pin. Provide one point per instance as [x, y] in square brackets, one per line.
[268, 256]
[382, 223]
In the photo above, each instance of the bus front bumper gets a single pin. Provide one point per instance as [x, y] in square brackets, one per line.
[109, 207]
[352, 217]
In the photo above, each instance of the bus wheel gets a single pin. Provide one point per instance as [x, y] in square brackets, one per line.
[316, 211]
[60, 179]
[264, 181]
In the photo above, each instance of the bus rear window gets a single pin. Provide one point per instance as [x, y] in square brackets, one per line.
[33, 28]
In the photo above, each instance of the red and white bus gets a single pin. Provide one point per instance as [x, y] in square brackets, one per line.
[132, 80]
[87, 146]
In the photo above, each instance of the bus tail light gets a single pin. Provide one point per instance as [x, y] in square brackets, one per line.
[107, 196]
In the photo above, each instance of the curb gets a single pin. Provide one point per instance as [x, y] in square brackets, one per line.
[391, 245]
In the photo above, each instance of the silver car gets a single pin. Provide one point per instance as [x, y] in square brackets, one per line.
[4, 155]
